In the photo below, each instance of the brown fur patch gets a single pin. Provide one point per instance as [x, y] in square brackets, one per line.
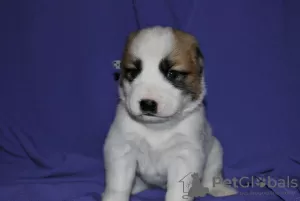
[185, 58]
[127, 57]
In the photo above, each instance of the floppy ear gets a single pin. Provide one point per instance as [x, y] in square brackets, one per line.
[198, 52]
[199, 59]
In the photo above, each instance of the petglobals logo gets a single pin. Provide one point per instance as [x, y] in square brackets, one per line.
[250, 182]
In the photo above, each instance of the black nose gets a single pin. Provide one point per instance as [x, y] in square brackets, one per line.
[148, 106]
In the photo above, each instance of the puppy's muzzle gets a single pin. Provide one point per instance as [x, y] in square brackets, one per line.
[148, 107]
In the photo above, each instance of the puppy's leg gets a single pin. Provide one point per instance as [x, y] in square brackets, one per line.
[120, 174]
[139, 186]
[188, 161]
[212, 177]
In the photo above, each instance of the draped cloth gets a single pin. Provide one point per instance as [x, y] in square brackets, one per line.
[58, 96]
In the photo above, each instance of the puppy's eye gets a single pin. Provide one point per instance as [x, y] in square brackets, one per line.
[176, 76]
[131, 74]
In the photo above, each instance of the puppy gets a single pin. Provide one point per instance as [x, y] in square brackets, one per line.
[160, 133]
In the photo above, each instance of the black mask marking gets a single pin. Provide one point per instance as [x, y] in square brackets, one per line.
[175, 77]
[131, 73]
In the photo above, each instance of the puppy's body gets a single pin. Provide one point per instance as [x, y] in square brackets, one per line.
[160, 132]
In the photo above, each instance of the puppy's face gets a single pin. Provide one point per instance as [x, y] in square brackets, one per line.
[161, 74]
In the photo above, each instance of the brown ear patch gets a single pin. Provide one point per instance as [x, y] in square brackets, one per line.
[187, 57]
[127, 58]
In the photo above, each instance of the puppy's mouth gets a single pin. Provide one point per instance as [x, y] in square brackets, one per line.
[152, 117]
[149, 114]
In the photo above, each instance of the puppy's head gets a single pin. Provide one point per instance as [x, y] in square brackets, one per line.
[161, 74]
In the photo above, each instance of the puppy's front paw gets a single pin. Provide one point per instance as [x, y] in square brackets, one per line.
[222, 190]
[114, 196]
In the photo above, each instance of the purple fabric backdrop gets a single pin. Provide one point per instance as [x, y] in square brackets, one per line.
[58, 96]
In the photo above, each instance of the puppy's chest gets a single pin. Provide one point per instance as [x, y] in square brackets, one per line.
[151, 163]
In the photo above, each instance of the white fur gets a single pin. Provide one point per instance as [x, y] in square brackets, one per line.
[159, 150]
[150, 84]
